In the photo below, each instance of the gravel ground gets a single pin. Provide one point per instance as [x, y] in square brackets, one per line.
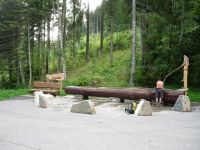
[26, 127]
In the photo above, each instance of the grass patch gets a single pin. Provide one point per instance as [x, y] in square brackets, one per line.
[194, 95]
[115, 75]
[62, 93]
[9, 93]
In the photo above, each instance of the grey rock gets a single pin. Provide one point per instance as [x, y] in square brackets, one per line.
[45, 100]
[86, 107]
[182, 104]
[51, 103]
[143, 108]
[36, 97]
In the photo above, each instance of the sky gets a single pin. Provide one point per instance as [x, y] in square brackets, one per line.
[93, 3]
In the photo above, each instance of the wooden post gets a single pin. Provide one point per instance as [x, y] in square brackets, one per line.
[185, 73]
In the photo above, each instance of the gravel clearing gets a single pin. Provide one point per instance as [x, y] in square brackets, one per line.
[26, 127]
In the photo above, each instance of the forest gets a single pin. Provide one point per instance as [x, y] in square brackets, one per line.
[122, 43]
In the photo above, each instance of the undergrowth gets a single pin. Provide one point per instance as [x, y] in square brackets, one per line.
[9, 93]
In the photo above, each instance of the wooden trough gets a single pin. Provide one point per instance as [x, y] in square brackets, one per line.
[170, 96]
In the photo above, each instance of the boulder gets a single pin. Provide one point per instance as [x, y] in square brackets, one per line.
[36, 97]
[143, 108]
[182, 104]
[86, 107]
[45, 100]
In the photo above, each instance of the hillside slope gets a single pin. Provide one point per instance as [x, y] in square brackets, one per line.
[115, 75]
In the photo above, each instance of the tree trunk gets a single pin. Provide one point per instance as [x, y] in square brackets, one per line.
[63, 37]
[32, 42]
[48, 45]
[64, 22]
[39, 48]
[73, 36]
[142, 39]
[44, 52]
[87, 57]
[73, 42]
[10, 69]
[97, 24]
[59, 61]
[21, 70]
[182, 22]
[102, 30]
[111, 40]
[131, 82]
[59, 43]
[17, 58]
[29, 57]
[17, 70]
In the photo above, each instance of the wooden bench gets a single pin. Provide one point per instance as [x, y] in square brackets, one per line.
[47, 88]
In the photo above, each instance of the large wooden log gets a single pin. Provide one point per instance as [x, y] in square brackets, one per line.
[170, 96]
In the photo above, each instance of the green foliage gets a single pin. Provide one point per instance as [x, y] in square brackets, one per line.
[9, 93]
[121, 40]
[165, 47]
[62, 93]
[148, 75]
[4, 79]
